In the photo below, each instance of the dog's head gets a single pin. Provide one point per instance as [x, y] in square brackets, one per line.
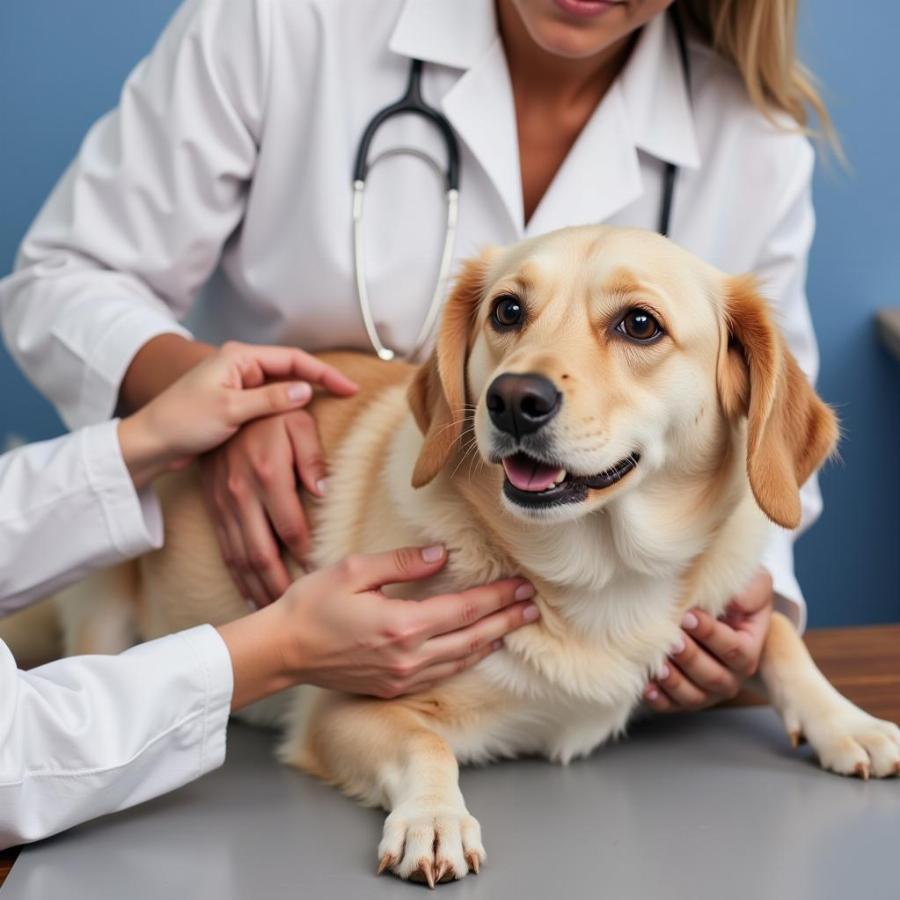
[591, 358]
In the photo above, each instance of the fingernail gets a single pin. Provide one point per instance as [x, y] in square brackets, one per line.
[689, 621]
[496, 645]
[664, 672]
[678, 646]
[652, 694]
[531, 613]
[299, 392]
[250, 604]
[322, 485]
[524, 591]
[433, 554]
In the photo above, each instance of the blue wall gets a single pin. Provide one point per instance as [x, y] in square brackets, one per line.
[62, 63]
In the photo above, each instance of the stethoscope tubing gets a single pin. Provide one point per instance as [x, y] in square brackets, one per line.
[412, 102]
[359, 266]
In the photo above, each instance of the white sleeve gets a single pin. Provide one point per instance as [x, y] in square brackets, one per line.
[136, 225]
[90, 735]
[67, 507]
[781, 270]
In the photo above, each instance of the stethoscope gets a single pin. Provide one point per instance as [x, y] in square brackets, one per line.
[413, 102]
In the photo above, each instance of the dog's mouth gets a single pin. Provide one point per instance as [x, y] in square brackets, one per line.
[534, 483]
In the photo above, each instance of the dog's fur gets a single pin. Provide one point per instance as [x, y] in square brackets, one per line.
[727, 428]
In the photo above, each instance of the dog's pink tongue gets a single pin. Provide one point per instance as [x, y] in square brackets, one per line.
[528, 475]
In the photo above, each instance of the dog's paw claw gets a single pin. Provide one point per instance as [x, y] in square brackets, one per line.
[430, 845]
[849, 741]
[424, 872]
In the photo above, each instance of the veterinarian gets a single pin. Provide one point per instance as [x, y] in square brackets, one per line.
[233, 154]
[90, 735]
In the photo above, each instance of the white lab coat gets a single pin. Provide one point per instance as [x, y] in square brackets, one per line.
[90, 735]
[231, 155]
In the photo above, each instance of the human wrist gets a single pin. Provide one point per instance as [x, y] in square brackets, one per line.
[143, 452]
[260, 662]
[292, 643]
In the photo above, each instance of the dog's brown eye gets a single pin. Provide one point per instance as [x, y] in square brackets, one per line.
[508, 312]
[639, 325]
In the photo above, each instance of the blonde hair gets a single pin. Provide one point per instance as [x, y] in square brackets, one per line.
[758, 36]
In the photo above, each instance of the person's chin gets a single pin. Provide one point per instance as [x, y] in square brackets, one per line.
[569, 42]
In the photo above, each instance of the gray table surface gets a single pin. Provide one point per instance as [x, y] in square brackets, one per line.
[707, 806]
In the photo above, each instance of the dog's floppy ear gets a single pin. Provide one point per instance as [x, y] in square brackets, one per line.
[790, 431]
[437, 395]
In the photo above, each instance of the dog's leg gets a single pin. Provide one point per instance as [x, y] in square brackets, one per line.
[846, 739]
[385, 754]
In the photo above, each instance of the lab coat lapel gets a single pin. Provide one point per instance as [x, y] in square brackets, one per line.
[657, 97]
[481, 109]
[463, 35]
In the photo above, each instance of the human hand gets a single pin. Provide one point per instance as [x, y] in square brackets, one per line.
[250, 486]
[210, 402]
[714, 657]
[335, 628]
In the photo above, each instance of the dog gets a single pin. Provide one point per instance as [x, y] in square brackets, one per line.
[603, 414]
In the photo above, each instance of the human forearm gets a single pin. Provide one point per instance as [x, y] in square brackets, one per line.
[117, 729]
[159, 363]
[262, 658]
[44, 488]
[75, 336]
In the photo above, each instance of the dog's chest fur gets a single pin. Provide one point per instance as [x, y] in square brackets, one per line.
[573, 680]
[610, 589]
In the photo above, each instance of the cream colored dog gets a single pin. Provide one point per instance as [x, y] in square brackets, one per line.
[605, 415]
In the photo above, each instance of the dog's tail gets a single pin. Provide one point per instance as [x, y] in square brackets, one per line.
[33, 634]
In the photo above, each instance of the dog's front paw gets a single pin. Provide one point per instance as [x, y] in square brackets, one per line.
[849, 741]
[425, 842]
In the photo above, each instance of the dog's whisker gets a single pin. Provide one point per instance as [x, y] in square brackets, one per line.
[468, 446]
[453, 424]
[475, 461]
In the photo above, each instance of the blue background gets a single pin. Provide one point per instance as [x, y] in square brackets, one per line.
[62, 64]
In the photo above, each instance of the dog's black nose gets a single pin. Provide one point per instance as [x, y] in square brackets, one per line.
[521, 404]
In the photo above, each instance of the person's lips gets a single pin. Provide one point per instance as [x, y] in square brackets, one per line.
[587, 8]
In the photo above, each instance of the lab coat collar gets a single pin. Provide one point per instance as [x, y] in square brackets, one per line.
[656, 95]
[455, 33]
[646, 108]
